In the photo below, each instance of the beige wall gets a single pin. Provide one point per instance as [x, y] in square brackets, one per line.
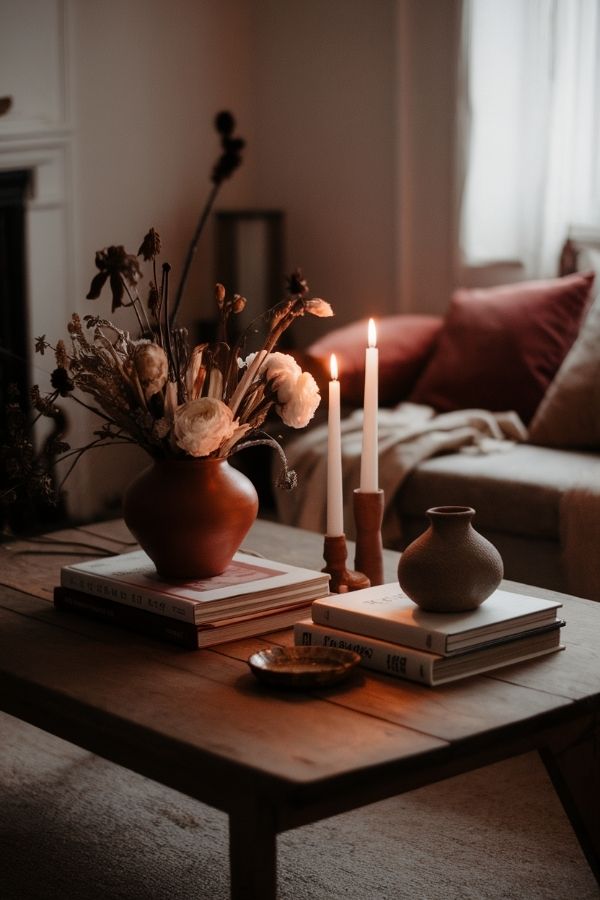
[147, 78]
[429, 164]
[325, 133]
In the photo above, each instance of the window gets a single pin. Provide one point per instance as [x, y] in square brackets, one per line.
[533, 157]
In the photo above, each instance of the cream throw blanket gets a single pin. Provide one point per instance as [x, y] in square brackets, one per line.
[408, 435]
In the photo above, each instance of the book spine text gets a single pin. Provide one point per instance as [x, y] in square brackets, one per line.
[377, 655]
[171, 607]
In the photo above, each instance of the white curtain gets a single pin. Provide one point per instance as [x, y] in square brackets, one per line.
[533, 149]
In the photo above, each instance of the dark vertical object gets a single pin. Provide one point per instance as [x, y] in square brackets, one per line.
[235, 244]
[14, 338]
[27, 514]
[230, 248]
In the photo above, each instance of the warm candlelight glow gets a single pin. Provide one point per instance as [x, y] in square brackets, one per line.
[372, 333]
[333, 367]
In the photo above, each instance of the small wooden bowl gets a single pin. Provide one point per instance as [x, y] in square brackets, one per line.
[303, 667]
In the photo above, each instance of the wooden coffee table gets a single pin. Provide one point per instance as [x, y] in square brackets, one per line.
[199, 721]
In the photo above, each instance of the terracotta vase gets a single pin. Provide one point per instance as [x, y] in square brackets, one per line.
[190, 515]
[450, 567]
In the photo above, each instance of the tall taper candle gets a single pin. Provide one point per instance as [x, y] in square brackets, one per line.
[335, 498]
[369, 468]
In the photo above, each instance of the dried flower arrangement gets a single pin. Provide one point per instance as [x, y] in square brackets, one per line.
[154, 390]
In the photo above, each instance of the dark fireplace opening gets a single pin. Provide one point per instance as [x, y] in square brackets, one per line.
[27, 514]
[13, 297]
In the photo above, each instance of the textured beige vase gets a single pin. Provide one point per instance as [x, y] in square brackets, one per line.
[190, 515]
[450, 567]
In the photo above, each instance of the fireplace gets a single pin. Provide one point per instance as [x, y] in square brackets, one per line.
[16, 343]
[14, 337]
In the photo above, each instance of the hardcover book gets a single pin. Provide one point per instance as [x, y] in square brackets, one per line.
[184, 634]
[432, 668]
[385, 612]
[248, 585]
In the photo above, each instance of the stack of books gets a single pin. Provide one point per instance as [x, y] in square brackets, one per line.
[393, 635]
[253, 596]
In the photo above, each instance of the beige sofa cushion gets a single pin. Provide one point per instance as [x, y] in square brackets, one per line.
[516, 492]
[569, 414]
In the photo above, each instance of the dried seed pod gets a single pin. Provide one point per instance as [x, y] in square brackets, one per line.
[239, 304]
[219, 295]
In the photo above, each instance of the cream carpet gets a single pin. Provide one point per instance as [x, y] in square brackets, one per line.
[75, 827]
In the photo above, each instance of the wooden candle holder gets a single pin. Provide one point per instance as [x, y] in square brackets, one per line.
[368, 516]
[342, 579]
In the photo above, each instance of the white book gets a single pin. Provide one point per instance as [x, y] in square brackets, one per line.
[385, 612]
[249, 584]
[431, 668]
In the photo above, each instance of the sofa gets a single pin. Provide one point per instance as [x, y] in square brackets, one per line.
[532, 349]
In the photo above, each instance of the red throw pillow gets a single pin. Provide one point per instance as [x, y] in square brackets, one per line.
[501, 347]
[405, 343]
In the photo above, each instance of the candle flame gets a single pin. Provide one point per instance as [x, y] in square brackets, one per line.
[372, 333]
[333, 367]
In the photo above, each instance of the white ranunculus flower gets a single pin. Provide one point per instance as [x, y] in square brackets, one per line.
[296, 391]
[304, 399]
[282, 371]
[200, 426]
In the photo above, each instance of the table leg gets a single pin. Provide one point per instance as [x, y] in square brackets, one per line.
[573, 763]
[253, 852]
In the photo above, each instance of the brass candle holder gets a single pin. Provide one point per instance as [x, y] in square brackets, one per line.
[342, 579]
[368, 516]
